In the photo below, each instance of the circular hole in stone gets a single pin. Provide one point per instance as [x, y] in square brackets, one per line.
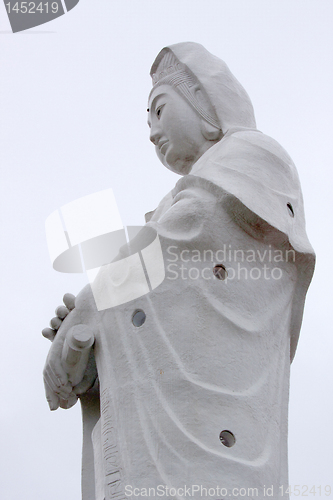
[220, 272]
[227, 438]
[290, 209]
[138, 318]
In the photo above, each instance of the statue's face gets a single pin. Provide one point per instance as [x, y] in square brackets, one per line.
[176, 130]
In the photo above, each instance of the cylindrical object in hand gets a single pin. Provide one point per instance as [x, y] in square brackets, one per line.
[75, 353]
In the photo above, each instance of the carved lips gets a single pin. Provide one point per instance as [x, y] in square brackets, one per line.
[162, 148]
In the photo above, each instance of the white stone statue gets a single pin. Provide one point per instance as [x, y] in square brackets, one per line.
[193, 377]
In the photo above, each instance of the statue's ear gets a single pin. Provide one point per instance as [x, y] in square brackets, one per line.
[210, 132]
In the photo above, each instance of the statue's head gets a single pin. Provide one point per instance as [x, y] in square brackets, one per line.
[180, 134]
[194, 101]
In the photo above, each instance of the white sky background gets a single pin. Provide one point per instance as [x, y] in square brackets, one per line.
[73, 122]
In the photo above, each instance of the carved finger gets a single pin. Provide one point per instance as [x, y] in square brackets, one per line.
[57, 374]
[86, 383]
[55, 323]
[52, 383]
[65, 391]
[52, 399]
[69, 402]
[61, 312]
[55, 386]
[48, 333]
[69, 301]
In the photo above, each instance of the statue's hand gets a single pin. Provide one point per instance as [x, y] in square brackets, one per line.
[63, 380]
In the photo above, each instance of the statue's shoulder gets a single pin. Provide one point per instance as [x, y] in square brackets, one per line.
[241, 140]
[246, 162]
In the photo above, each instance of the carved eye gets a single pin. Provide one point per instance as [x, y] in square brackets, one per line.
[159, 110]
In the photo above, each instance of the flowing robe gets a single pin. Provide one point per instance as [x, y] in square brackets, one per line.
[212, 354]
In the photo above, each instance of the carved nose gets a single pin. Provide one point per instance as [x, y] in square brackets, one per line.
[154, 137]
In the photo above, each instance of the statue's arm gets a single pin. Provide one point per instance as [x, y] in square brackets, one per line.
[252, 223]
[197, 200]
